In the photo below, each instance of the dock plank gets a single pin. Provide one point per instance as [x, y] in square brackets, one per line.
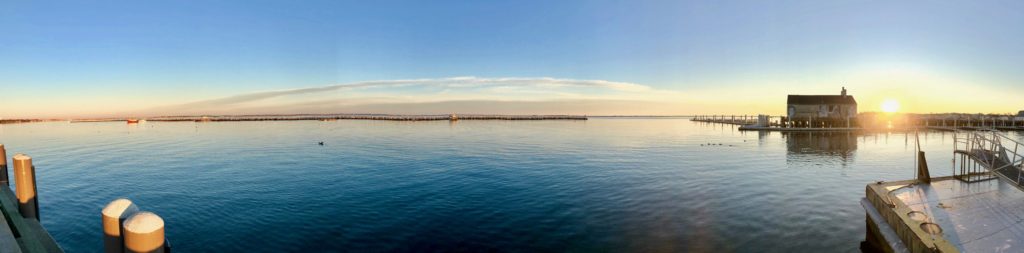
[8, 243]
[32, 237]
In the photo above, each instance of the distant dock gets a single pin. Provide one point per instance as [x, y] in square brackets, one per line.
[938, 122]
[773, 123]
[741, 120]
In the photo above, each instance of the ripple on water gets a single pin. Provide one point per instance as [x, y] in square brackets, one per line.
[619, 185]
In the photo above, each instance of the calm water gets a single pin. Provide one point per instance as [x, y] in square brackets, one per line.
[604, 185]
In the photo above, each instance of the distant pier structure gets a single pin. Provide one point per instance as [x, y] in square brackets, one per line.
[826, 111]
[726, 119]
[874, 121]
[832, 113]
[803, 113]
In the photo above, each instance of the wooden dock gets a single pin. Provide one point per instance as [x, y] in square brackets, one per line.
[799, 129]
[769, 123]
[938, 122]
[20, 234]
[740, 120]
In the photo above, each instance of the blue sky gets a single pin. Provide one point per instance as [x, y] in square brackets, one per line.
[70, 58]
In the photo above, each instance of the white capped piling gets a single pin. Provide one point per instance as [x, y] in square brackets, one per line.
[25, 186]
[114, 214]
[3, 167]
[144, 233]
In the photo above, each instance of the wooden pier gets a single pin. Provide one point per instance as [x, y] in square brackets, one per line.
[968, 122]
[128, 231]
[778, 123]
[19, 234]
[727, 119]
[938, 122]
[20, 230]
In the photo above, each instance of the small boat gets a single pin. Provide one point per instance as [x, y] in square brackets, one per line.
[133, 121]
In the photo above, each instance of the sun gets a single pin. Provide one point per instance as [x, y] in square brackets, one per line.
[890, 106]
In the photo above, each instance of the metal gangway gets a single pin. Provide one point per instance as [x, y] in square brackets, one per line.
[985, 155]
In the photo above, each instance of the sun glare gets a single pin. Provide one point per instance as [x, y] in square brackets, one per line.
[890, 106]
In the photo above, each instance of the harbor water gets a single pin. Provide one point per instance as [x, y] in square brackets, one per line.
[599, 185]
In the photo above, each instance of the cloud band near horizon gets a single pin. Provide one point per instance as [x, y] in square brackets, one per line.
[386, 94]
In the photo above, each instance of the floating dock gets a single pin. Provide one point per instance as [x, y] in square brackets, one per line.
[947, 215]
[978, 209]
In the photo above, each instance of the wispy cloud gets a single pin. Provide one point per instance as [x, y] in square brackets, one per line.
[447, 83]
[368, 94]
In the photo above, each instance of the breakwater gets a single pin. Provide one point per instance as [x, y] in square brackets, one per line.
[16, 121]
[327, 117]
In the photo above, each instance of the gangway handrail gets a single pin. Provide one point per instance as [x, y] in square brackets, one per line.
[989, 148]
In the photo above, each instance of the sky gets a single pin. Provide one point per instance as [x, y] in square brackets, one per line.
[78, 59]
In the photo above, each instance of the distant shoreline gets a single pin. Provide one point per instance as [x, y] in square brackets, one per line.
[365, 116]
[321, 117]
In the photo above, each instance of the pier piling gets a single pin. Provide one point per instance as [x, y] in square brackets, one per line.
[25, 186]
[144, 233]
[3, 167]
[114, 214]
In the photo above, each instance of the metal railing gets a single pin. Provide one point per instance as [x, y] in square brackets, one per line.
[981, 152]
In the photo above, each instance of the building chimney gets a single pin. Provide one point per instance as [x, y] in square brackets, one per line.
[844, 92]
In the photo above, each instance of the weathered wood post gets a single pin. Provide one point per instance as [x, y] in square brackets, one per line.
[144, 233]
[923, 175]
[3, 167]
[114, 214]
[25, 186]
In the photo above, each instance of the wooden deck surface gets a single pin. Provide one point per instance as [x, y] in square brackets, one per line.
[18, 234]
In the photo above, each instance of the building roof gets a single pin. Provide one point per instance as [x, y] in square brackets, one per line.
[820, 99]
